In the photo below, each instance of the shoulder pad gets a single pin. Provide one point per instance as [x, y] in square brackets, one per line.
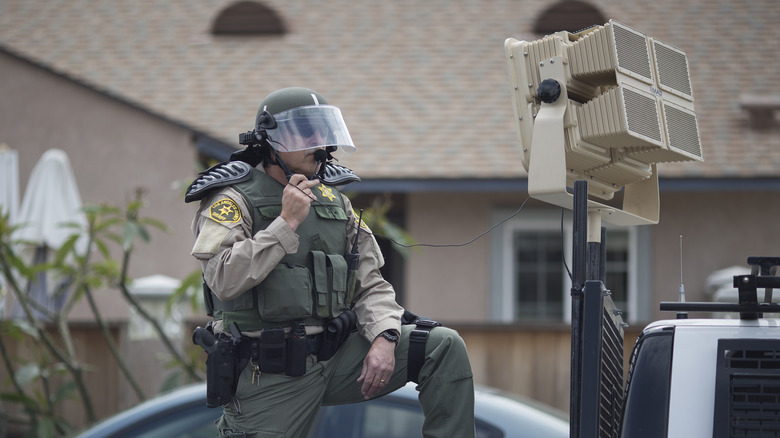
[219, 175]
[335, 175]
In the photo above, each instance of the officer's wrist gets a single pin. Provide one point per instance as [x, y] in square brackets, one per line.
[390, 336]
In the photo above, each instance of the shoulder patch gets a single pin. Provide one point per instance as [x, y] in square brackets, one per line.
[225, 210]
[219, 175]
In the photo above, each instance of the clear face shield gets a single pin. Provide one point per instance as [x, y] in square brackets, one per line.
[310, 127]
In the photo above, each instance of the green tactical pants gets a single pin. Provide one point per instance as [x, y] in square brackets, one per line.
[276, 405]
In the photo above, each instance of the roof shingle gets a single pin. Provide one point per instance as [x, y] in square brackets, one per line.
[422, 85]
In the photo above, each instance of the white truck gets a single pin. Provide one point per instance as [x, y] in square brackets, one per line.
[709, 377]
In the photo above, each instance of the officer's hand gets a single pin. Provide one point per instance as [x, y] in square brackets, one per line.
[378, 366]
[296, 200]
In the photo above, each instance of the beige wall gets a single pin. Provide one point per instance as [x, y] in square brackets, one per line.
[719, 230]
[113, 149]
[448, 283]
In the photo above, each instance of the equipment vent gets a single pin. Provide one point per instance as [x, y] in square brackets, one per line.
[672, 67]
[591, 60]
[633, 57]
[747, 388]
[621, 117]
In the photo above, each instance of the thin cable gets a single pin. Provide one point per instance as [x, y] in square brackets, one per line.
[563, 249]
[456, 245]
[428, 245]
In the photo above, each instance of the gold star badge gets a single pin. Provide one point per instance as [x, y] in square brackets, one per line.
[327, 192]
[225, 210]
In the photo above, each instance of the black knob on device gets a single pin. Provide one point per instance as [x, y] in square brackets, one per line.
[549, 90]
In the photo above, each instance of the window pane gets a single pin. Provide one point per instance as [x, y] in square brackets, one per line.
[538, 274]
[617, 268]
[538, 280]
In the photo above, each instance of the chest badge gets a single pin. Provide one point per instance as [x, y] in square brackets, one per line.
[327, 192]
[225, 210]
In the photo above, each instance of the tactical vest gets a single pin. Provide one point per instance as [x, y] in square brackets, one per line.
[314, 284]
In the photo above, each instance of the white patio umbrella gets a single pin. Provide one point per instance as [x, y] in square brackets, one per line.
[50, 200]
[9, 199]
[9, 181]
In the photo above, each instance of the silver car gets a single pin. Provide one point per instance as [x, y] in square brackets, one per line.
[183, 413]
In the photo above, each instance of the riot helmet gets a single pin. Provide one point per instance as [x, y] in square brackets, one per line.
[302, 119]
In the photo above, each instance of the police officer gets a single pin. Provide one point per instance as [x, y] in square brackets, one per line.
[273, 240]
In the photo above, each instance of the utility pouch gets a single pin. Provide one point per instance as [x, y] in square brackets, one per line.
[296, 350]
[273, 351]
[337, 331]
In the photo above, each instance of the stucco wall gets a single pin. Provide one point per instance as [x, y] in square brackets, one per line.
[113, 148]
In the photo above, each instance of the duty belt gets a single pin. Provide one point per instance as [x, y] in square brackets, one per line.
[250, 347]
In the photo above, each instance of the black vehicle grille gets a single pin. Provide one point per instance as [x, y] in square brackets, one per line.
[747, 388]
[611, 387]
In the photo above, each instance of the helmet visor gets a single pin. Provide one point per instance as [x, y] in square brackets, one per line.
[310, 127]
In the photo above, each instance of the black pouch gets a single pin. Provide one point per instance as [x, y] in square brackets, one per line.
[330, 339]
[296, 350]
[272, 357]
[337, 330]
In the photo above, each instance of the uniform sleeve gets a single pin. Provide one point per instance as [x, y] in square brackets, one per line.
[376, 307]
[233, 260]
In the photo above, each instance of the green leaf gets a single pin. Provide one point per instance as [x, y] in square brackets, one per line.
[143, 233]
[14, 397]
[26, 327]
[65, 249]
[66, 391]
[160, 225]
[101, 246]
[129, 231]
[45, 428]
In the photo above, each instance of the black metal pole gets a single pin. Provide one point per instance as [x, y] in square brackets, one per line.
[579, 269]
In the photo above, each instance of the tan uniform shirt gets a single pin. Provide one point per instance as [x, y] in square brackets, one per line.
[234, 261]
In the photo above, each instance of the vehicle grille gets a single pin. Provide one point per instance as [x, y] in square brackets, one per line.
[747, 388]
[612, 373]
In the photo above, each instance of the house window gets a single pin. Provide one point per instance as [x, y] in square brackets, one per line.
[536, 274]
[531, 282]
[248, 18]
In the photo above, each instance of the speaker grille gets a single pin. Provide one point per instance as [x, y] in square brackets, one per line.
[683, 131]
[642, 114]
[632, 52]
[672, 67]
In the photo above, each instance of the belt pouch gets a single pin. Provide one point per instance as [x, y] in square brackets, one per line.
[272, 354]
[221, 374]
[296, 352]
[330, 339]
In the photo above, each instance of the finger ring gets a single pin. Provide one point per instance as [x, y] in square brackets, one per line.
[381, 380]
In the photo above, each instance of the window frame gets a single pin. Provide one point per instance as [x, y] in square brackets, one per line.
[546, 219]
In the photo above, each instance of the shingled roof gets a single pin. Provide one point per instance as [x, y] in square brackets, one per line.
[423, 85]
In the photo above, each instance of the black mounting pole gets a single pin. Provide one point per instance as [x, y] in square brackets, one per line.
[579, 270]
